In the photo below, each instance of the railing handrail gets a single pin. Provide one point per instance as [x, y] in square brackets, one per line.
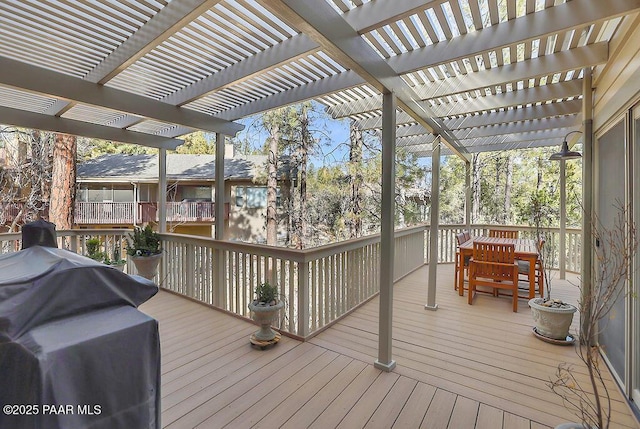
[296, 255]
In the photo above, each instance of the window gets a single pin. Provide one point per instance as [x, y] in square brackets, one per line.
[195, 193]
[256, 197]
[239, 196]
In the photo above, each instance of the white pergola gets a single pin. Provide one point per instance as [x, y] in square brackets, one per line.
[437, 77]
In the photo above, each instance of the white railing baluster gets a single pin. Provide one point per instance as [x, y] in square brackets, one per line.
[320, 284]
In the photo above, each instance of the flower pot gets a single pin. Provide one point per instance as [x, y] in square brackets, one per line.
[147, 266]
[264, 315]
[119, 267]
[552, 322]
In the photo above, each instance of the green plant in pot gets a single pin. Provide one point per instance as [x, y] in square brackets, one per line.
[93, 246]
[265, 309]
[116, 261]
[143, 247]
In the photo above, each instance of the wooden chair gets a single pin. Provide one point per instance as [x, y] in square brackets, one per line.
[461, 238]
[501, 233]
[523, 269]
[493, 265]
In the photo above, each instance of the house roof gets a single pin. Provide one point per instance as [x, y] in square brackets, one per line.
[482, 74]
[179, 167]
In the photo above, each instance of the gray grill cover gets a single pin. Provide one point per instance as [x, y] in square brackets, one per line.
[70, 335]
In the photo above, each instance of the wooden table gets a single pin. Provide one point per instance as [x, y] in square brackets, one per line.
[525, 250]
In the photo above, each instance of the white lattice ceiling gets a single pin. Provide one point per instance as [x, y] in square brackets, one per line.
[483, 74]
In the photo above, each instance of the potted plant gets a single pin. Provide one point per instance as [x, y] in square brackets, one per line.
[143, 247]
[552, 317]
[117, 262]
[265, 309]
[614, 250]
[93, 246]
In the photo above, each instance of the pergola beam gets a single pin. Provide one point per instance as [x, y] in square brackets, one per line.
[286, 51]
[29, 78]
[344, 80]
[521, 137]
[499, 128]
[160, 27]
[374, 15]
[520, 127]
[424, 151]
[558, 19]
[25, 119]
[539, 94]
[534, 68]
[170, 19]
[546, 65]
[516, 115]
[376, 122]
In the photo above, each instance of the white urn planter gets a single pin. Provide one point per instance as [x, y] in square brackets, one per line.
[264, 314]
[119, 267]
[552, 318]
[147, 266]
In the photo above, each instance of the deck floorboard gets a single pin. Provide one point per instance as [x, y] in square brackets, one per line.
[459, 367]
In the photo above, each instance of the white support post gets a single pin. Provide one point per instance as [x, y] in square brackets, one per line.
[136, 203]
[219, 269]
[587, 187]
[219, 206]
[385, 346]
[433, 225]
[162, 190]
[303, 299]
[467, 187]
[563, 219]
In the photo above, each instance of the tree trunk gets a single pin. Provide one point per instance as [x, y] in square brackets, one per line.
[475, 186]
[305, 144]
[272, 183]
[539, 181]
[354, 220]
[63, 181]
[508, 179]
[39, 180]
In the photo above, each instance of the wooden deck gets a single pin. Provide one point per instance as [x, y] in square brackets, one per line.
[458, 367]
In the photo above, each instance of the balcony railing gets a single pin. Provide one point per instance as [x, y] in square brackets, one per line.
[319, 285]
[9, 211]
[130, 213]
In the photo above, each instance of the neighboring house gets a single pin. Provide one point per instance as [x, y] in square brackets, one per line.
[120, 190]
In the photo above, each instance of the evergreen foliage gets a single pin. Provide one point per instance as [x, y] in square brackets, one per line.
[143, 242]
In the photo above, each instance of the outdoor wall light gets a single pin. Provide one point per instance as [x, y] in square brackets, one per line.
[565, 153]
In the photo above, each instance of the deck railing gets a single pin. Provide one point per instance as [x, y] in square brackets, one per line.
[112, 240]
[319, 285]
[573, 242]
